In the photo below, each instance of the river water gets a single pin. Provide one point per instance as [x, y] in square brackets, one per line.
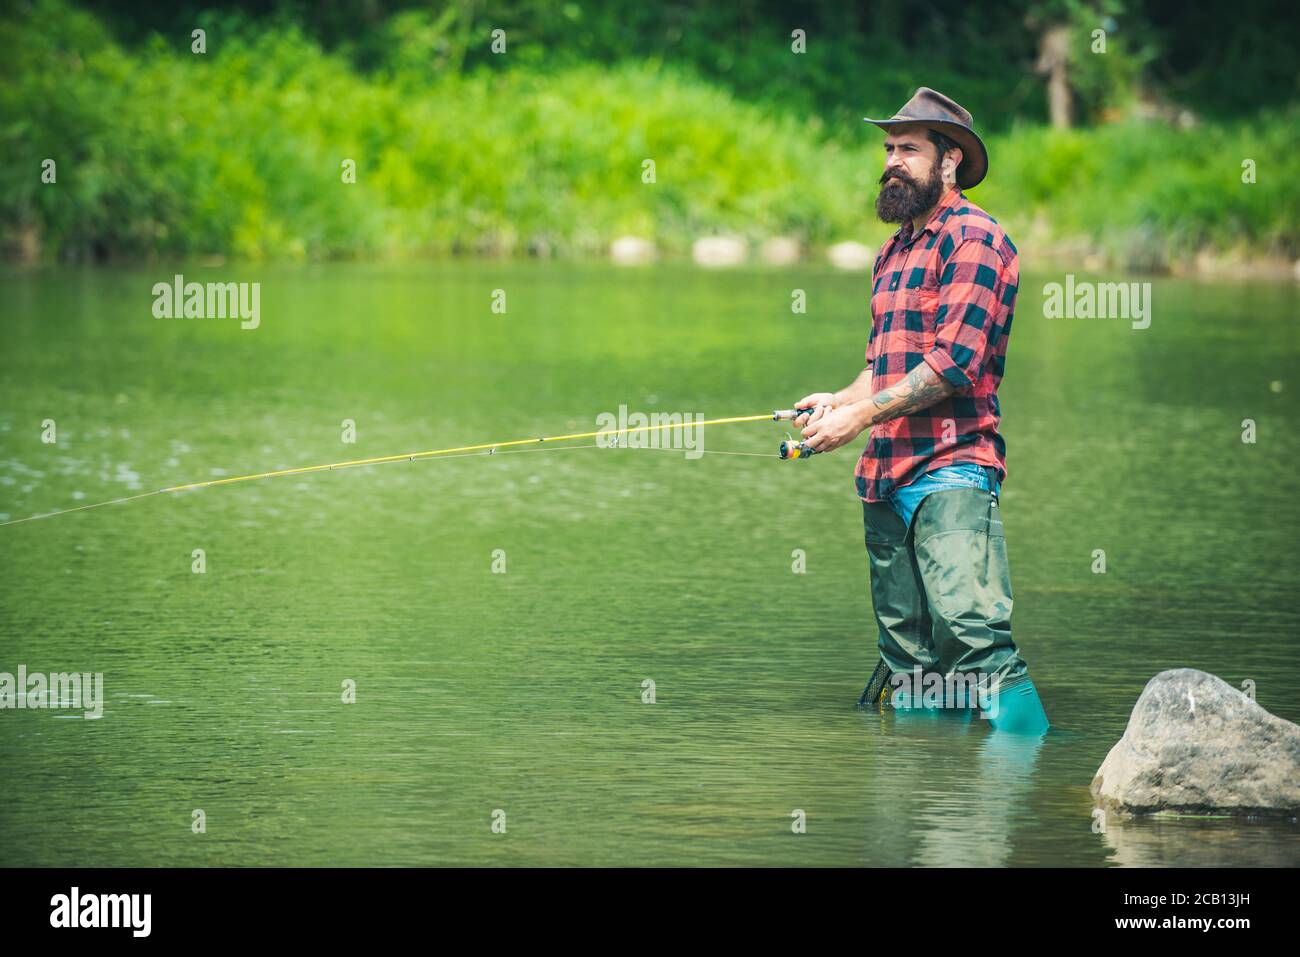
[500, 617]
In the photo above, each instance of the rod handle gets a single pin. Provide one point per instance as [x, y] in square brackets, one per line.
[785, 415]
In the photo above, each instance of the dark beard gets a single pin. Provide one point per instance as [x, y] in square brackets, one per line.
[905, 199]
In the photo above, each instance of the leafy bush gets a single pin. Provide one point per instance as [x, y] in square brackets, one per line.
[162, 152]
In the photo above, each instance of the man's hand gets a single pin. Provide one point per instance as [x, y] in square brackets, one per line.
[821, 401]
[834, 428]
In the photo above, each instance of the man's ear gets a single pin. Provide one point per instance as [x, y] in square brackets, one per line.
[950, 164]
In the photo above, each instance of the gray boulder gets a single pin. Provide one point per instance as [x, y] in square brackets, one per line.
[1196, 745]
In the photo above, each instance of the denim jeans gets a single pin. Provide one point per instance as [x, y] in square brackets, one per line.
[905, 499]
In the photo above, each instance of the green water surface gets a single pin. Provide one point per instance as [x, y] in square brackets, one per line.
[522, 692]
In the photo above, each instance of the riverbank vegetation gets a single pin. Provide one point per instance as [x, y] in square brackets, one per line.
[247, 150]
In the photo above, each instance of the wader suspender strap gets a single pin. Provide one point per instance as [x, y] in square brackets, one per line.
[992, 474]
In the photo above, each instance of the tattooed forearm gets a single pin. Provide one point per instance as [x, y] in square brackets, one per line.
[922, 388]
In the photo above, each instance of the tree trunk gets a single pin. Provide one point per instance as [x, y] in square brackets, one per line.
[1053, 62]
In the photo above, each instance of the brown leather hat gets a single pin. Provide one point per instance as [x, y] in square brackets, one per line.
[931, 108]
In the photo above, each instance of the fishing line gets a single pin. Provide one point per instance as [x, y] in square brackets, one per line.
[757, 455]
[79, 508]
[464, 451]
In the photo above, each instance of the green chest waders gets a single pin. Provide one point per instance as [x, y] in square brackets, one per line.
[941, 589]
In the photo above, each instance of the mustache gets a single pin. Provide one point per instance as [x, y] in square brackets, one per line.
[895, 174]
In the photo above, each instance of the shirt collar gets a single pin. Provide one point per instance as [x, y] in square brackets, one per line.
[951, 197]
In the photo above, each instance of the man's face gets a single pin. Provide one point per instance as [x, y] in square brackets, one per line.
[912, 181]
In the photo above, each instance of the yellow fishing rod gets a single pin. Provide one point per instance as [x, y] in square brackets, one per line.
[484, 447]
[776, 416]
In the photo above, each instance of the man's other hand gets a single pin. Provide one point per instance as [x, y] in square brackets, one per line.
[833, 428]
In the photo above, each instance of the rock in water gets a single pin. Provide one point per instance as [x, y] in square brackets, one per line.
[632, 251]
[717, 251]
[1197, 745]
[852, 256]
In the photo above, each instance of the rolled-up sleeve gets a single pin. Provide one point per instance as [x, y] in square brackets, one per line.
[969, 306]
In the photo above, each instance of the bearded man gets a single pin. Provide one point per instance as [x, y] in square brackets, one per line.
[943, 291]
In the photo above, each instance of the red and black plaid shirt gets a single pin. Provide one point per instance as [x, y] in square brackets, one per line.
[944, 297]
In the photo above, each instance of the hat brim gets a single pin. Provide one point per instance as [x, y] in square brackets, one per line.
[974, 164]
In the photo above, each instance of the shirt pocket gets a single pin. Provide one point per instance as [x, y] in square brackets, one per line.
[916, 322]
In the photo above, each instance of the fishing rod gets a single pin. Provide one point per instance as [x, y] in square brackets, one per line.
[790, 449]
[487, 448]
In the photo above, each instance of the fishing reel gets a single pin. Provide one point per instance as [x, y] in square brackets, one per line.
[796, 450]
[791, 449]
